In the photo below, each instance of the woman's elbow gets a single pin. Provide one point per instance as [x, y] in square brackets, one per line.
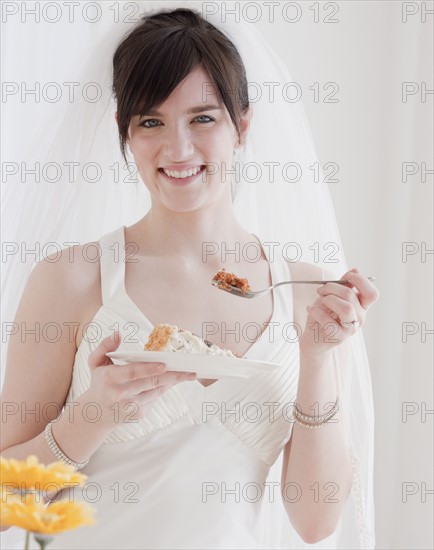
[311, 534]
[315, 528]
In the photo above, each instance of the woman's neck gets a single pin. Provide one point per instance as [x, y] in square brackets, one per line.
[207, 234]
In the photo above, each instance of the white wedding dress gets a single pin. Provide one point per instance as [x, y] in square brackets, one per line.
[180, 478]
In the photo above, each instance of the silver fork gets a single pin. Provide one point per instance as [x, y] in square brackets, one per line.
[254, 294]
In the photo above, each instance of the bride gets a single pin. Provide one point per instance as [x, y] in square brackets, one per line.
[165, 474]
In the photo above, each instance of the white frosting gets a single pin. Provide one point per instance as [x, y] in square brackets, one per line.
[186, 342]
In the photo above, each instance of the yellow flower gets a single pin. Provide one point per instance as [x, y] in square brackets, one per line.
[31, 474]
[29, 512]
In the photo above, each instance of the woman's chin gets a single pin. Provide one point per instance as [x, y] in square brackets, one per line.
[183, 204]
[183, 200]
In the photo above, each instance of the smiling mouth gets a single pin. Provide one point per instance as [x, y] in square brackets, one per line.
[182, 176]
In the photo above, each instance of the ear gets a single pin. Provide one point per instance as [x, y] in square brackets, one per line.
[116, 117]
[244, 127]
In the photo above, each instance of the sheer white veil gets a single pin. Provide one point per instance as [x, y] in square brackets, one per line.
[281, 196]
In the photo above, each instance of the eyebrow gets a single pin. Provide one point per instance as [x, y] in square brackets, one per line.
[198, 109]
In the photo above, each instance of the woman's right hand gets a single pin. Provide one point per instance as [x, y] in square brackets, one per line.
[125, 393]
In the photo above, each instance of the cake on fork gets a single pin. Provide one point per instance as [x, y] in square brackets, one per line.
[225, 280]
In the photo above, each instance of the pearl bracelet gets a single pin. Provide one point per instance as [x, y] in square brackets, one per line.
[57, 451]
[313, 422]
[310, 426]
[316, 419]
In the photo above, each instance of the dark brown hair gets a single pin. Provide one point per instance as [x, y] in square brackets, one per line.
[157, 54]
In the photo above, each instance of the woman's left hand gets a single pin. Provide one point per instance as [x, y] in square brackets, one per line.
[330, 318]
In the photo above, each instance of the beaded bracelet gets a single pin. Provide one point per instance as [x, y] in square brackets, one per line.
[310, 426]
[316, 419]
[57, 451]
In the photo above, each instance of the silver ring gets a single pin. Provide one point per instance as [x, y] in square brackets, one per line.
[354, 323]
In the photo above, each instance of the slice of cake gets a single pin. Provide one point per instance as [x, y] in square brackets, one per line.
[166, 337]
[226, 280]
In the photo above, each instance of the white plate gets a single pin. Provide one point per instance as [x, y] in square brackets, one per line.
[206, 366]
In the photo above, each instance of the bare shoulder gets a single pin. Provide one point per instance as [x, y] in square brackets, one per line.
[305, 295]
[72, 276]
[61, 292]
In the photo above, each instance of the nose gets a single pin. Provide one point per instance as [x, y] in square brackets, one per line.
[178, 143]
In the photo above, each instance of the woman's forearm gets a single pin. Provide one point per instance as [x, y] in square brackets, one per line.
[73, 432]
[78, 436]
[318, 464]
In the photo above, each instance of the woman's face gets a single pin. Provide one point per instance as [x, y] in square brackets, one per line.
[184, 150]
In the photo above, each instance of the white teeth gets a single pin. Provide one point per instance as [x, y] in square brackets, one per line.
[183, 174]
